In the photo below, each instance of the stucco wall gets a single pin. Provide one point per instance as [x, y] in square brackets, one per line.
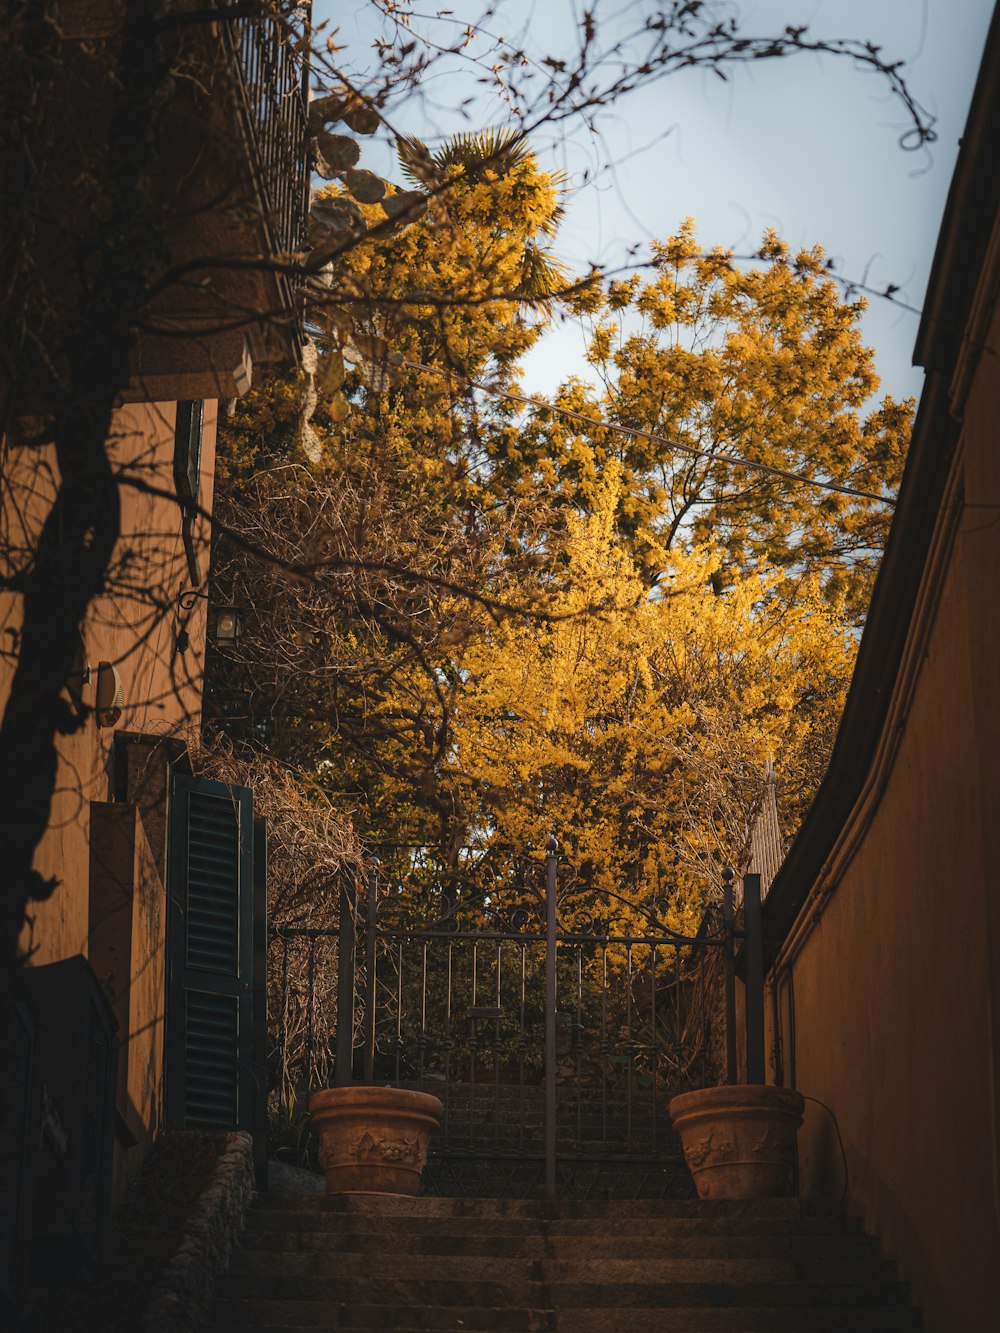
[126, 949]
[108, 858]
[162, 688]
[889, 996]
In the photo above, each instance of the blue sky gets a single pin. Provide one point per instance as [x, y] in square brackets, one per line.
[807, 145]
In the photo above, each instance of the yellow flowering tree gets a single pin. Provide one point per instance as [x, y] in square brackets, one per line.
[391, 502]
[688, 617]
[637, 723]
[732, 363]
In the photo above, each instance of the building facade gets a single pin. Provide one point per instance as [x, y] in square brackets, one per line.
[140, 946]
[884, 920]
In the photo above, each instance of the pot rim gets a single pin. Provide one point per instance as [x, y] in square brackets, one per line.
[375, 1098]
[733, 1098]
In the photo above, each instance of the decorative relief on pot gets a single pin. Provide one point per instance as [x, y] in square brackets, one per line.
[388, 1150]
[702, 1149]
[739, 1139]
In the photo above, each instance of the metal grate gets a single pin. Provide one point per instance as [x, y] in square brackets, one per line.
[272, 81]
[211, 1032]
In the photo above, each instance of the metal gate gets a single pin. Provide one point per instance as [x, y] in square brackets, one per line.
[553, 1019]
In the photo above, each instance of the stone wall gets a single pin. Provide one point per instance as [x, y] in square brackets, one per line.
[180, 1301]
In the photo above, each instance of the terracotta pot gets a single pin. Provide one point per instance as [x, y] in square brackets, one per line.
[739, 1140]
[373, 1140]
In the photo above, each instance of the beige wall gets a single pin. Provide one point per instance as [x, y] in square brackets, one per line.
[890, 991]
[126, 947]
[133, 627]
[109, 858]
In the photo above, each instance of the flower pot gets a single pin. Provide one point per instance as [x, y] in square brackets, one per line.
[373, 1140]
[739, 1140]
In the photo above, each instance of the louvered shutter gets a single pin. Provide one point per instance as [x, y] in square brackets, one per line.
[210, 1015]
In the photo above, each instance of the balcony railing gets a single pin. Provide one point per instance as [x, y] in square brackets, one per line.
[270, 67]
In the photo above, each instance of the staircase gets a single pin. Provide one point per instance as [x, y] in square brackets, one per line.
[638, 1266]
[492, 1144]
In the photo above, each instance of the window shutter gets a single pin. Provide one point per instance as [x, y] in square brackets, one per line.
[210, 941]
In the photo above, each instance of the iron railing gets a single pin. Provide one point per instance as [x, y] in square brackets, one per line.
[552, 1032]
[270, 69]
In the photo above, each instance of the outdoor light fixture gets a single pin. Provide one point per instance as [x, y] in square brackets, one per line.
[224, 625]
[227, 624]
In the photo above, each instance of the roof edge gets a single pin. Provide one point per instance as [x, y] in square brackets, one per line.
[967, 223]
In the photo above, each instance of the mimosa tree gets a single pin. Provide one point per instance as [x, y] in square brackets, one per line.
[750, 374]
[638, 723]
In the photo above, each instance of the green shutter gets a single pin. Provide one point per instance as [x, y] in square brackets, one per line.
[213, 883]
[210, 1017]
[211, 1060]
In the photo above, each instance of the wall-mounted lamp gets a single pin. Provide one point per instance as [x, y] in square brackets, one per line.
[224, 626]
[227, 624]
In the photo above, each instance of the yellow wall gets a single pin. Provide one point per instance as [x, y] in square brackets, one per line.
[110, 902]
[890, 990]
[126, 946]
[162, 689]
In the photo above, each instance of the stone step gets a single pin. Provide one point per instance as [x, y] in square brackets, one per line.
[503, 1268]
[567, 1105]
[457, 1327]
[774, 1319]
[726, 1268]
[384, 1206]
[229, 1316]
[485, 1119]
[699, 1320]
[498, 1265]
[691, 1282]
[461, 1176]
[484, 1146]
[568, 1100]
[408, 1267]
[484, 1132]
[386, 1288]
[576, 1152]
[745, 1294]
[643, 1232]
[516, 1243]
[617, 1117]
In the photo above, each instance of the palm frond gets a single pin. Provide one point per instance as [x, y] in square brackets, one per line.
[542, 275]
[503, 150]
[416, 161]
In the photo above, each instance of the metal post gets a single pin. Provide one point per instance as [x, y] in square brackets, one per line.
[343, 1069]
[370, 964]
[310, 1007]
[259, 1121]
[754, 924]
[728, 913]
[551, 863]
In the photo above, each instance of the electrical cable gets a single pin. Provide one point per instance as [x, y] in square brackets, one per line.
[843, 1151]
[527, 401]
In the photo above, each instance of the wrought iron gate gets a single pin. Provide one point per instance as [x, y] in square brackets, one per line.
[554, 1020]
